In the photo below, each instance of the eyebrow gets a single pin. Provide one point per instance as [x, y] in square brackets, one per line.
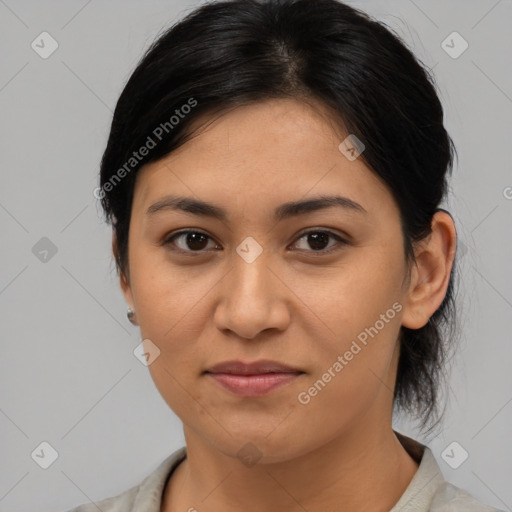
[284, 211]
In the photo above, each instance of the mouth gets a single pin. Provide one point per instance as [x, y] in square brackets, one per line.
[252, 379]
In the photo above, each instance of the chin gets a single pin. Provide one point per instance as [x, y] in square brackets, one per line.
[261, 446]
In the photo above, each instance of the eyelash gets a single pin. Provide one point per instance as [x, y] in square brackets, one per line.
[169, 241]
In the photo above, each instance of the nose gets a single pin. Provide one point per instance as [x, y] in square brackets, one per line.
[252, 299]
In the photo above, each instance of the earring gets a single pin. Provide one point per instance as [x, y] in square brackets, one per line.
[130, 314]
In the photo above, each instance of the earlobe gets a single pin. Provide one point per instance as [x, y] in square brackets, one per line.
[127, 292]
[125, 288]
[430, 275]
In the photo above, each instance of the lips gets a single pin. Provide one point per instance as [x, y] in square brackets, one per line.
[252, 379]
[255, 368]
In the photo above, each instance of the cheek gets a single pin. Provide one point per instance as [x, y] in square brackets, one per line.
[360, 312]
[346, 300]
[169, 300]
[354, 372]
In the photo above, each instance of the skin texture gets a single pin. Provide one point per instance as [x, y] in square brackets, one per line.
[291, 304]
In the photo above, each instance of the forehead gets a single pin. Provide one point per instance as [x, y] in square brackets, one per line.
[268, 126]
[269, 152]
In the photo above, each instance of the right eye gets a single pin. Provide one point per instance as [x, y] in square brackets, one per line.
[191, 241]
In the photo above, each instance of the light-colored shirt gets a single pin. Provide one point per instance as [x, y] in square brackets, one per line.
[428, 491]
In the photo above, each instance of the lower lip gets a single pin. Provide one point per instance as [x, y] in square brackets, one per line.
[253, 385]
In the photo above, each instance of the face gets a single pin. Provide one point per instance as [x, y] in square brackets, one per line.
[318, 288]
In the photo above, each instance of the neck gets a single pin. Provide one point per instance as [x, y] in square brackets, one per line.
[368, 461]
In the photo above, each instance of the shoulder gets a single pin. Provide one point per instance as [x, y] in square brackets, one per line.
[145, 496]
[449, 498]
[121, 502]
[428, 490]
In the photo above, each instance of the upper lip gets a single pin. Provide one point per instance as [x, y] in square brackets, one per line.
[254, 368]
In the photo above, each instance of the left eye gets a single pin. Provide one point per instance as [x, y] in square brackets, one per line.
[317, 240]
[194, 241]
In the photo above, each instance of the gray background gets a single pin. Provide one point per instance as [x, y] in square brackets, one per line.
[68, 373]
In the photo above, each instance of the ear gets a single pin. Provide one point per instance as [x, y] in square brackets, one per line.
[430, 275]
[123, 279]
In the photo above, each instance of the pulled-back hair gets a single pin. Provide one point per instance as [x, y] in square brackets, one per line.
[227, 54]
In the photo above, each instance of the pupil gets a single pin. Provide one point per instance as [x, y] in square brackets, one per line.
[318, 238]
[193, 240]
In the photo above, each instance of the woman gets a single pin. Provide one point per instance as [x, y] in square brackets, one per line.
[273, 177]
